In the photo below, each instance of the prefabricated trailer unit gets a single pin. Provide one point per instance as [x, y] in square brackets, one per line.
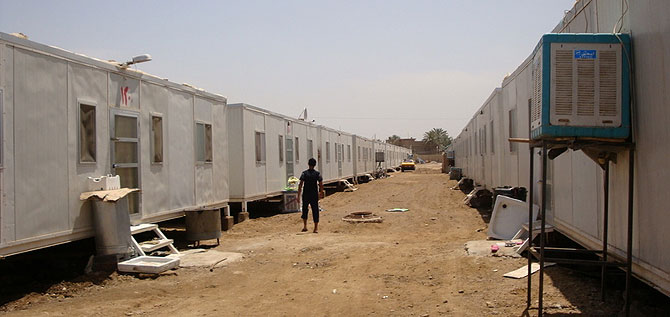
[334, 155]
[575, 201]
[266, 148]
[362, 163]
[67, 117]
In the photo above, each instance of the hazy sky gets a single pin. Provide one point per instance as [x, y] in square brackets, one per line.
[373, 68]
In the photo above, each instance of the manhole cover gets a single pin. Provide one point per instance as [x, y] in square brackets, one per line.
[362, 216]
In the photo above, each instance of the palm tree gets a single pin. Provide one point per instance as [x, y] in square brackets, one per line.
[394, 139]
[437, 137]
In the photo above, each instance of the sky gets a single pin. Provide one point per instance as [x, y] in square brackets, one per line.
[373, 68]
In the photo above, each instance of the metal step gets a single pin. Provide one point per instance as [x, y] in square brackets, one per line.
[142, 228]
[153, 245]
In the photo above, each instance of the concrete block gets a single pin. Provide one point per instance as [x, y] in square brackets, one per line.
[242, 216]
[227, 223]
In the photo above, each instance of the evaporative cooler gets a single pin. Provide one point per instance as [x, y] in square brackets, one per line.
[581, 87]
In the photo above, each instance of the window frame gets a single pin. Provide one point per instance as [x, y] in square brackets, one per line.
[259, 150]
[152, 138]
[493, 147]
[310, 148]
[94, 105]
[296, 150]
[281, 148]
[327, 152]
[204, 136]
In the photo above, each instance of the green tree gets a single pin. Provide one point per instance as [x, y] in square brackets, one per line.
[394, 139]
[437, 137]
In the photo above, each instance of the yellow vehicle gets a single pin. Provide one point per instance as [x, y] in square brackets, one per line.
[407, 164]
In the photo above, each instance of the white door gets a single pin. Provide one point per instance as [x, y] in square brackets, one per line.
[125, 149]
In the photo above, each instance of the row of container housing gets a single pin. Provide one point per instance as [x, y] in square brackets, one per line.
[271, 147]
[574, 182]
[67, 117]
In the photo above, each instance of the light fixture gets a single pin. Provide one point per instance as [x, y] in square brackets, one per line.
[136, 60]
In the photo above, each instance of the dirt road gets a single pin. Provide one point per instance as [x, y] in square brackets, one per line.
[412, 264]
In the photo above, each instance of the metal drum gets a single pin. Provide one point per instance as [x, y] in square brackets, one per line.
[203, 224]
[112, 227]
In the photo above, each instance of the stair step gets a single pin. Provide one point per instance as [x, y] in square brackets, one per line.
[153, 245]
[142, 228]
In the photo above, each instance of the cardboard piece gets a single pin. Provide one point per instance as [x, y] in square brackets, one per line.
[108, 195]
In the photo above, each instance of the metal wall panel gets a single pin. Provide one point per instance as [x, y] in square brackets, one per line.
[180, 149]
[276, 170]
[7, 214]
[204, 172]
[241, 157]
[256, 181]
[86, 85]
[220, 151]
[41, 151]
[155, 176]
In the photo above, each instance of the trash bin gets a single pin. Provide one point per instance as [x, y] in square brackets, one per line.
[203, 224]
[291, 201]
[112, 227]
[455, 173]
[513, 192]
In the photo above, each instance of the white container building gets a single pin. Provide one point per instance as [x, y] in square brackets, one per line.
[335, 160]
[575, 201]
[362, 162]
[67, 117]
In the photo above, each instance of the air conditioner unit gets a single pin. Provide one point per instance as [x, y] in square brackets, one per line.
[581, 86]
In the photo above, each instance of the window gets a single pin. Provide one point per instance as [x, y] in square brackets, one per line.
[512, 129]
[349, 153]
[297, 149]
[203, 142]
[492, 141]
[260, 147]
[87, 135]
[483, 136]
[327, 152]
[359, 153]
[281, 148]
[156, 139]
[310, 149]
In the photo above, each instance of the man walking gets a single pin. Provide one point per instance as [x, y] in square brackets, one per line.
[310, 197]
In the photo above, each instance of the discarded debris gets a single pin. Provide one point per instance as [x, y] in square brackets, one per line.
[523, 271]
[479, 198]
[362, 216]
[397, 210]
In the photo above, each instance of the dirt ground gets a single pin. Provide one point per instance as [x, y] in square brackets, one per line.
[412, 264]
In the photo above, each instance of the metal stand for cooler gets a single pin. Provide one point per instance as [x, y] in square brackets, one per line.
[290, 201]
[602, 152]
